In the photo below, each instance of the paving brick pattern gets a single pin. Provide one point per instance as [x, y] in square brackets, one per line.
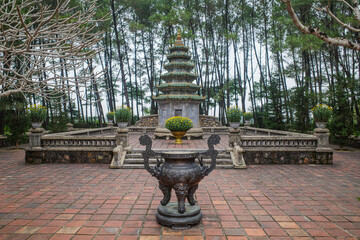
[89, 201]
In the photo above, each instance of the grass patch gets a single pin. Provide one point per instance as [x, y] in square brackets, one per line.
[358, 198]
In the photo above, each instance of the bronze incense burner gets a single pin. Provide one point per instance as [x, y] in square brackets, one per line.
[181, 173]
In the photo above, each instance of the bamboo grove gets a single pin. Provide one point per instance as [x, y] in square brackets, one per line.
[247, 53]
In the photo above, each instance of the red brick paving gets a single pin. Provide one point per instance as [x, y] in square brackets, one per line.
[89, 201]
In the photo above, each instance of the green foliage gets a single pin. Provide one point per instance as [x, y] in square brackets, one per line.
[123, 114]
[248, 116]
[18, 125]
[321, 112]
[341, 126]
[300, 101]
[58, 124]
[234, 114]
[15, 121]
[178, 124]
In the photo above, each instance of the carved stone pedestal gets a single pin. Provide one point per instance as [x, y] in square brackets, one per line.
[119, 152]
[324, 154]
[169, 216]
[35, 138]
[236, 152]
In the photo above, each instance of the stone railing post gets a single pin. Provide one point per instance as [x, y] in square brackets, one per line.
[69, 127]
[35, 138]
[235, 150]
[324, 153]
[34, 152]
[119, 152]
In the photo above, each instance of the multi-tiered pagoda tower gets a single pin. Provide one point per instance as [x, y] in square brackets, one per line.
[179, 95]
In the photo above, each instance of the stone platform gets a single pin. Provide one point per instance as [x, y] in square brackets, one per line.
[91, 201]
[257, 146]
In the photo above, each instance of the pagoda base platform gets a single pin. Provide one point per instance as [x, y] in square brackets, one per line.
[161, 132]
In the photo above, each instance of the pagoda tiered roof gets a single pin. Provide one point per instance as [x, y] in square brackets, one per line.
[179, 79]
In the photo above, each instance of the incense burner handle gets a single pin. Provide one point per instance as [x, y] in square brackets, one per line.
[212, 153]
[146, 141]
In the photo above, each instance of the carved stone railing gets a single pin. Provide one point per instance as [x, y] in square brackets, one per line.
[278, 142]
[88, 132]
[142, 130]
[78, 141]
[268, 132]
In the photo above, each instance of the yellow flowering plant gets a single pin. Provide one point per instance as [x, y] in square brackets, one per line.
[37, 113]
[178, 124]
[321, 112]
[110, 116]
[123, 114]
[234, 114]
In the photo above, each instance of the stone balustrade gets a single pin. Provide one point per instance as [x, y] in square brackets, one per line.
[268, 132]
[78, 141]
[283, 142]
[266, 146]
[87, 132]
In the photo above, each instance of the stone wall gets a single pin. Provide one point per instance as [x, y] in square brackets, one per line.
[152, 121]
[253, 156]
[148, 121]
[208, 121]
[68, 156]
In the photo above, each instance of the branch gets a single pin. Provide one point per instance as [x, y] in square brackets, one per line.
[316, 31]
[9, 92]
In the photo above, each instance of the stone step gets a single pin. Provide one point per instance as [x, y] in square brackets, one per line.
[139, 166]
[138, 155]
[221, 151]
[140, 161]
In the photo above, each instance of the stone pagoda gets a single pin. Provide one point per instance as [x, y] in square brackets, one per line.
[179, 94]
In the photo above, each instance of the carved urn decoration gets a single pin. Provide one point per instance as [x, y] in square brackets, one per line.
[181, 173]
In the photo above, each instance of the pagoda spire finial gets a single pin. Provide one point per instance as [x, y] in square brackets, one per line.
[178, 41]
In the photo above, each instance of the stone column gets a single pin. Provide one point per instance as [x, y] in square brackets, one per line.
[324, 153]
[35, 138]
[119, 152]
[34, 153]
[235, 150]
[70, 127]
[122, 136]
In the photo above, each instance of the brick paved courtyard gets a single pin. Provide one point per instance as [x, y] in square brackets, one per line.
[56, 201]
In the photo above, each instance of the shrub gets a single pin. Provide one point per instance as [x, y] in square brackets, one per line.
[178, 124]
[110, 115]
[248, 115]
[123, 114]
[37, 113]
[234, 114]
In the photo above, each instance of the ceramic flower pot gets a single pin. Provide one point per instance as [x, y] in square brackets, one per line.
[122, 124]
[235, 124]
[178, 136]
[320, 124]
[36, 124]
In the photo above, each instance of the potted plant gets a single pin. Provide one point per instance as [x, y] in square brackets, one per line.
[247, 117]
[122, 115]
[37, 114]
[234, 115]
[110, 116]
[178, 127]
[321, 114]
